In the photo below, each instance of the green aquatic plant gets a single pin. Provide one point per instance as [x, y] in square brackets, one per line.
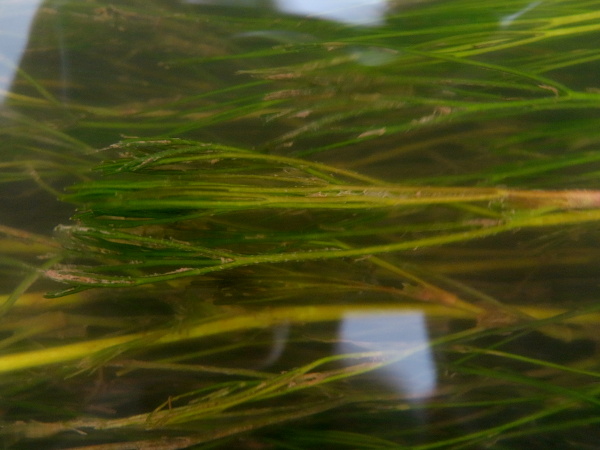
[191, 209]
[163, 215]
[442, 166]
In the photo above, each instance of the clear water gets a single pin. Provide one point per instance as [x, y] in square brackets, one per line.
[424, 93]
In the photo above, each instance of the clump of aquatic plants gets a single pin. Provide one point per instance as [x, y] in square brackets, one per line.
[175, 219]
[172, 209]
[193, 298]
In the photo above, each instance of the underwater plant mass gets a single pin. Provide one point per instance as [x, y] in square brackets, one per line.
[230, 226]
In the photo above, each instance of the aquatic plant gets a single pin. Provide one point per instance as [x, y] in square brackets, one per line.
[433, 167]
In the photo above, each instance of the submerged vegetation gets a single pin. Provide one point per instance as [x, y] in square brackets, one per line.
[273, 184]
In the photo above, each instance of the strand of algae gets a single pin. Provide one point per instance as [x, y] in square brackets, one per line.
[257, 319]
[235, 394]
[296, 379]
[251, 320]
[169, 182]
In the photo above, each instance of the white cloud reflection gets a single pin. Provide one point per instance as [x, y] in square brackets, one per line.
[16, 17]
[355, 12]
[414, 376]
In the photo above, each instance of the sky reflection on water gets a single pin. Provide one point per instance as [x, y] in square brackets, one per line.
[414, 376]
